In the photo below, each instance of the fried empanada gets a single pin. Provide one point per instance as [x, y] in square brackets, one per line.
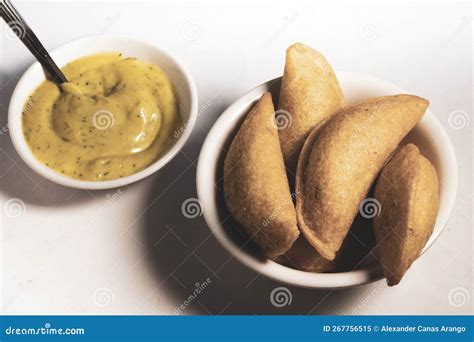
[357, 244]
[302, 256]
[408, 192]
[339, 163]
[310, 93]
[256, 187]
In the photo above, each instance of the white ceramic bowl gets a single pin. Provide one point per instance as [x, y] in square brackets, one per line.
[177, 72]
[428, 135]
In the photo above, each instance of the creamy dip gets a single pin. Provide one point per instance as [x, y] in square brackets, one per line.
[113, 118]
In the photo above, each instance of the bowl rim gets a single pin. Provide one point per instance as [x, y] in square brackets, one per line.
[270, 269]
[16, 133]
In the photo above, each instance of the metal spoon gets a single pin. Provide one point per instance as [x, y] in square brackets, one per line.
[19, 26]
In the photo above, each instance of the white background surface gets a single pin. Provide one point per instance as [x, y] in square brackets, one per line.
[133, 252]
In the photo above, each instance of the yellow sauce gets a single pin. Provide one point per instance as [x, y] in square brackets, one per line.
[113, 118]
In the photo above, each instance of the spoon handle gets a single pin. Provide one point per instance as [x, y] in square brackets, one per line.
[19, 26]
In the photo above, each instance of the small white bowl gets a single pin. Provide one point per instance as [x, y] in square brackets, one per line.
[429, 136]
[176, 71]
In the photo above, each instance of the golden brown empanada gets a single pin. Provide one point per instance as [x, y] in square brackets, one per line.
[408, 192]
[309, 95]
[355, 247]
[256, 187]
[339, 163]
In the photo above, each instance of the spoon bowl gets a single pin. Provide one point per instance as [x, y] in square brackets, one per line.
[179, 75]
